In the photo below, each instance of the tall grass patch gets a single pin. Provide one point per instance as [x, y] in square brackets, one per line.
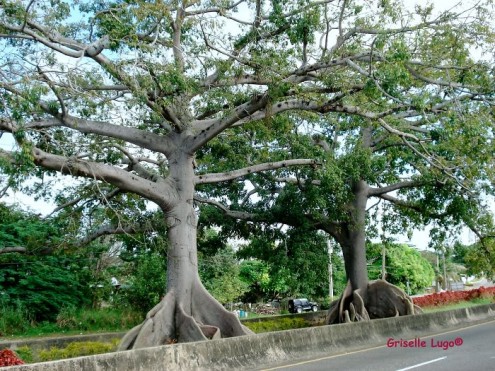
[13, 319]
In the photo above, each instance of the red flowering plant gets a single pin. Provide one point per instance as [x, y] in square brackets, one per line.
[9, 358]
[451, 297]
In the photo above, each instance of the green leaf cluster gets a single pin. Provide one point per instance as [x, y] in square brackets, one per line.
[20, 229]
[43, 285]
[146, 286]
[403, 264]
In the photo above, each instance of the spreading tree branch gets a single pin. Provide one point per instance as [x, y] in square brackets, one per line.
[107, 230]
[18, 249]
[372, 191]
[230, 175]
[120, 178]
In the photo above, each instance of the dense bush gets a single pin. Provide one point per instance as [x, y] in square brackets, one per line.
[106, 319]
[70, 320]
[26, 354]
[76, 349]
[450, 297]
[42, 284]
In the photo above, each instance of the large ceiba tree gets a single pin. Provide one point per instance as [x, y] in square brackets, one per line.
[411, 145]
[154, 99]
[125, 94]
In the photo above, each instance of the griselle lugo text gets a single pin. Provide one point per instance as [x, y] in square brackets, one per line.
[419, 343]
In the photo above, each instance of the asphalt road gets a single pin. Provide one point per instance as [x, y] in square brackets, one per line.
[471, 348]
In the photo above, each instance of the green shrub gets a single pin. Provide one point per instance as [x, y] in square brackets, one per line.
[147, 286]
[26, 354]
[78, 349]
[14, 321]
[277, 324]
[481, 301]
[66, 318]
[42, 284]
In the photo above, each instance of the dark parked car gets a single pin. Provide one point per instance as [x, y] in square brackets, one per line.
[301, 305]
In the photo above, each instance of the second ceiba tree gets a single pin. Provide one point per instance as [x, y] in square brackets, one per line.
[136, 96]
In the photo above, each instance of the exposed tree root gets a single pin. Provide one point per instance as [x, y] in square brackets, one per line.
[380, 299]
[169, 322]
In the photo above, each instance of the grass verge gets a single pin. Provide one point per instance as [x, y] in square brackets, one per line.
[70, 321]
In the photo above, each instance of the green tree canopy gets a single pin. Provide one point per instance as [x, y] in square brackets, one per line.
[404, 265]
[221, 274]
[410, 144]
[27, 233]
[293, 262]
[477, 258]
[33, 273]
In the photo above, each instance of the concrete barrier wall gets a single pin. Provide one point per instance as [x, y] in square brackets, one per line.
[263, 350]
[311, 318]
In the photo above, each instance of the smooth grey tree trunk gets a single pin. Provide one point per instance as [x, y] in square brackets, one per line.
[187, 312]
[354, 242]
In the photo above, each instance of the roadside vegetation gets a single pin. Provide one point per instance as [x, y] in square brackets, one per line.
[446, 298]
[15, 323]
[223, 155]
[52, 286]
[83, 322]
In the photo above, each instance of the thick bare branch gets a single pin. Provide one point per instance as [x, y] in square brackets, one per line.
[230, 175]
[145, 139]
[296, 181]
[377, 191]
[68, 47]
[241, 215]
[392, 130]
[107, 230]
[18, 249]
[214, 127]
[120, 178]
[411, 206]
[331, 105]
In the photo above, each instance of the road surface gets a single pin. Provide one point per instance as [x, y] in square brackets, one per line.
[471, 348]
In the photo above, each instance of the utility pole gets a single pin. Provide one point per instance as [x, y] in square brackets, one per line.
[330, 270]
[384, 271]
[445, 287]
[437, 272]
